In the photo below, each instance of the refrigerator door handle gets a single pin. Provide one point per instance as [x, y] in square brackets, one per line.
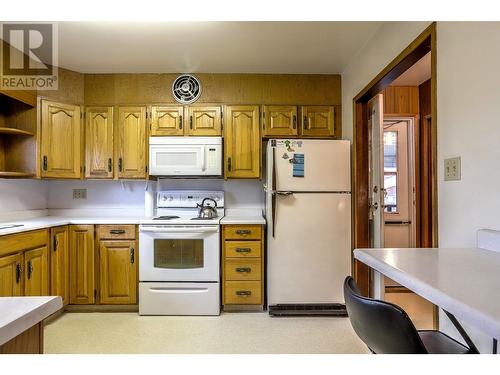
[273, 211]
[273, 177]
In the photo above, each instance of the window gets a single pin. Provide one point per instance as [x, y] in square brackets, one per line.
[390, 171]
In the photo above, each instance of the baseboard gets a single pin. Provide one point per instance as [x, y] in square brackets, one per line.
[102, 308]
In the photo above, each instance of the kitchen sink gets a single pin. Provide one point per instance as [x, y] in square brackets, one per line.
[9, 226]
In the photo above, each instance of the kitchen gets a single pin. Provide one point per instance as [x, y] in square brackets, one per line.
[192, 202]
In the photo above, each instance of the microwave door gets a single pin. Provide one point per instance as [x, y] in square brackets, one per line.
[177, 160]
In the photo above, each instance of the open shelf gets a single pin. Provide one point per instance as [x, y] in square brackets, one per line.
[6, 174]
[14, 131]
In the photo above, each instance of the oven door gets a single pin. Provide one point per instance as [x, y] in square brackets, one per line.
[179, 253]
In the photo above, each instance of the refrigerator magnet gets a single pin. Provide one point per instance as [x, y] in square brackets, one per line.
[298, 165]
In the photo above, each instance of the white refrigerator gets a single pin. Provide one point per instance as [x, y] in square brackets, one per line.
[308, 212]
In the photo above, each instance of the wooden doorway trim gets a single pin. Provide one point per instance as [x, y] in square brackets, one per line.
[424, 43]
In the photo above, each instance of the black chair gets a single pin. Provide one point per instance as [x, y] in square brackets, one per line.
[386, 328]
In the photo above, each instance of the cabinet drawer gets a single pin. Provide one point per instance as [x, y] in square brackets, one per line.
[242, 293]
[13, 243]
[247, 232]
[243, 269]
[114, 231]
[243, 249]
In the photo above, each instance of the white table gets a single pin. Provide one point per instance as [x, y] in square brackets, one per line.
[463, 281]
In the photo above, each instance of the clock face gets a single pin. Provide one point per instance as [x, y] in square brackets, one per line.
[186, 89]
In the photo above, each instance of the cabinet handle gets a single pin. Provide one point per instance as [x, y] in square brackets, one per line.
[18, 273]
[190, 122]
[229, 164]
[243, 231]
[244, 269]
[30, 269]
[294, 121]
[117, 231]
[45, 162]
[180, 122]
[55, 243]
[243, 292]
[243, 250]
[132, 255]
[110, 165]
[305, 122]
[120, 164]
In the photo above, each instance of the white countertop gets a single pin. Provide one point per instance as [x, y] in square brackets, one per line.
[463, 281]
[243, 216]
[17, 314]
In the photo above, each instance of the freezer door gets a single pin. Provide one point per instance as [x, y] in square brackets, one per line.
[310, 253]
[326, 165]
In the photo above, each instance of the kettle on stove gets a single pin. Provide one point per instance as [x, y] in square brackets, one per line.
[207, 211]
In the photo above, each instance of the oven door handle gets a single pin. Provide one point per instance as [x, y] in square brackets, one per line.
[172, 290]
[179, 229]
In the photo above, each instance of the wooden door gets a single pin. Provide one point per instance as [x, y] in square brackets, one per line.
[167, 120]
[204, 121]
[99, 142]
[36, 272]
[118, 272]
[318, 121]
[132, 142]
[11, 281]
[60, 147]
[242, 142]
[81, 264]
[59, 263]
[279, 120]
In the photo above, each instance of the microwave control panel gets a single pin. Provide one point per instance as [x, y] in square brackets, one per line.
[212, 157]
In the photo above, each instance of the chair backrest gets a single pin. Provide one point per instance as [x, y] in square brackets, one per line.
[385, 328]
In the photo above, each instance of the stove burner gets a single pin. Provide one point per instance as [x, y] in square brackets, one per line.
[169, 217]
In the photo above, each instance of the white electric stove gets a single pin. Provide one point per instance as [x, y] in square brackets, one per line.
[179, 256]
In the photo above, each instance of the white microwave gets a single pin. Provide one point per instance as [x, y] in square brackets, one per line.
[185, 156]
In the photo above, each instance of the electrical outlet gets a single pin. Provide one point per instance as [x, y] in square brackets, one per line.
[79, 193]
[452, 169]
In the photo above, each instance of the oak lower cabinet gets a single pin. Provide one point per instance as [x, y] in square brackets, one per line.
[242, 267]
[279, 121]
[59, 263]
[132, 142]
[99, 142]
[81, 265]
[10, 275]
[317, 121]
[61, 140]
[242, 143]
[36, 265]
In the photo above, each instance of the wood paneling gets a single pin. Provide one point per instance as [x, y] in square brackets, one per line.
[204, 120]
[27, 96]
[167, 120]
[81, 259]
[279, 120]
[99, 142]
[242, 142]
[11, 280]
[28, 342]
[36, 272]
[118, 272]
[59, 263]
[317, 121]
[70, 88]
[61, 140]
[132, 142]
[401, 100]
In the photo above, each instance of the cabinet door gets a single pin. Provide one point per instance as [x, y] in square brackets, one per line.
[318, 121]
[60, 147]
[99, 142]
[167, 120]
[132, 142]
[59, 263]
[204, 121]
[81, 265]
[36, 272]
[242, 142]
[11, 281]
[279, 120]
[118, 272]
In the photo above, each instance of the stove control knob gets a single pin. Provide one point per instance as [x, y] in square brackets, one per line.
[170, 198]
[163, 198]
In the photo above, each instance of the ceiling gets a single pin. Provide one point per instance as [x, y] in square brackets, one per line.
[211, 47]
[417, 74]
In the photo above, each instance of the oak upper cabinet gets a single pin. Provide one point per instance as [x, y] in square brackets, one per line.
[317, 121]
[81, 264]
[61, 140]
[279, 120]
[11, 282]
[132, 143]
[36, 278]
[118, 272]
[204, 120]
[167, 120]
[99, 142]
[59, 263]
[242, 141]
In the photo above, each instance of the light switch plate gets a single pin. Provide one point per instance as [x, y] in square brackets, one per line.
[79, 193]
[452, 169]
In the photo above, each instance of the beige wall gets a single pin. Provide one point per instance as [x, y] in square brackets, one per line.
[70, 87]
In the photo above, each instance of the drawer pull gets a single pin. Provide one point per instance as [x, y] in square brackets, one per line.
[243, 293]
[244, 269]
[243, 231]
[243, 250]
[117, 231]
